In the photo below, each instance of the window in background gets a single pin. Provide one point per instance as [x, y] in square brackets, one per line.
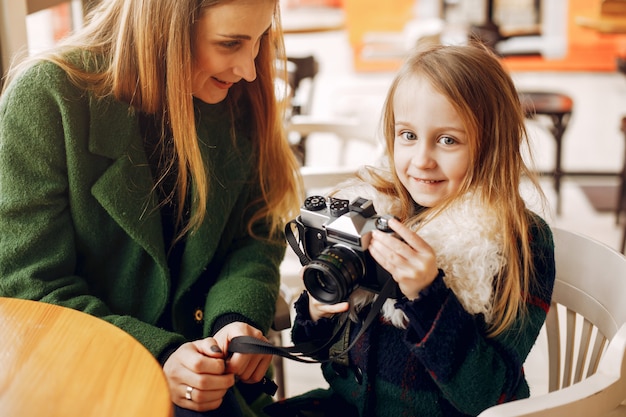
[518, 17]
[46, 27]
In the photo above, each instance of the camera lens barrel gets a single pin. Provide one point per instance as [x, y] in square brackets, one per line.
[333, 275]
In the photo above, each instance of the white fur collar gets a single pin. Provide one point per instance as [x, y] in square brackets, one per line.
[468, 242]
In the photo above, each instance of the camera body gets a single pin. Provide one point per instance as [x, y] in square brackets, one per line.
[335, 235]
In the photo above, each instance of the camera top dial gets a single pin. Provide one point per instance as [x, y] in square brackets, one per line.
[315, 203]
[339, 207]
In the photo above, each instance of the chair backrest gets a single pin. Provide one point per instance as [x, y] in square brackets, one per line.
[591, 285]
[586, 329]
[301, 79]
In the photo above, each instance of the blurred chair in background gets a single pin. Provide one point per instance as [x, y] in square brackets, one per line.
[557, 107]
[352, 118]
[301, 73]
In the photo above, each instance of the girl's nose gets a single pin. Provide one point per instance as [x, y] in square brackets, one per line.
[423, 156]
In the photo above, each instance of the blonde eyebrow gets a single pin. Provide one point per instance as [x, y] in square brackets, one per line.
[234, 36]
[242, 37]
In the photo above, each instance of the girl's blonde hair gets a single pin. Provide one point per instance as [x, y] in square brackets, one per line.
[140, 52]
[483, 94]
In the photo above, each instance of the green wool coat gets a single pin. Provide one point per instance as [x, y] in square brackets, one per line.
[80, 226]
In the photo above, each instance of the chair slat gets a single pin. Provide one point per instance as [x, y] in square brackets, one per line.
[570, 342]
[554, 348]
[583, 349]
[596, 353]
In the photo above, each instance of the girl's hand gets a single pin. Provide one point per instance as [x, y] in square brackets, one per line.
[317, 309]
[411, 263]
[248, 367]
[199, 365]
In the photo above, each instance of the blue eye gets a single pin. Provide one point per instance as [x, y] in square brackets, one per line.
[408, 135]
[447, 140]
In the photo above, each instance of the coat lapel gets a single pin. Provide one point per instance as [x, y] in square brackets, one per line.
[125, 188]
[229, 167]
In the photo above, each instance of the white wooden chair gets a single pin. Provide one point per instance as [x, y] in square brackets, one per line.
[586, 329]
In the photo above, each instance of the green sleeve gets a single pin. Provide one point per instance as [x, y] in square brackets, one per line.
[41, 116]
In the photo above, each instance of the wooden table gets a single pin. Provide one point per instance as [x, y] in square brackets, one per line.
[56, 361]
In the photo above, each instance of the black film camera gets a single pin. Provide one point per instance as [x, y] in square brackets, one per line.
[335, 235]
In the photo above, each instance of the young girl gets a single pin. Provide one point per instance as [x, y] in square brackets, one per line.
[474, 265]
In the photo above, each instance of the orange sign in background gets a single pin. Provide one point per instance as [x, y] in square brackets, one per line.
[587, 48]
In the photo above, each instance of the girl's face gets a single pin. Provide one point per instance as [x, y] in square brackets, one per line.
[431, 152]
[226, 41]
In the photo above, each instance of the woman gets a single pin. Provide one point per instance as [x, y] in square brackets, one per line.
[145, 179]
[474, 266]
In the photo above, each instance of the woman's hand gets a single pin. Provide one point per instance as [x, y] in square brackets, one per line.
[196, 370]
[411, 263]
[248, 367]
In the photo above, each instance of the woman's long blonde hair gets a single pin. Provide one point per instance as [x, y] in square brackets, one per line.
[141, 54]
[483, 94]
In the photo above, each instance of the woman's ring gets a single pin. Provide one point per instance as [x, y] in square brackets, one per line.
[188, 393]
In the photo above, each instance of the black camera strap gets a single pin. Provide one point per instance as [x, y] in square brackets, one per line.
[305, 351]
[296, 243]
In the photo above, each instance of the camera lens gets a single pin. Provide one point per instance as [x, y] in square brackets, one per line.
[331, 277]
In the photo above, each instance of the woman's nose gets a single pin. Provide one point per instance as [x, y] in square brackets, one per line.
[245, 66]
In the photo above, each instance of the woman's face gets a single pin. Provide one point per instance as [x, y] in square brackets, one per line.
[431, 152]
[226, 41]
